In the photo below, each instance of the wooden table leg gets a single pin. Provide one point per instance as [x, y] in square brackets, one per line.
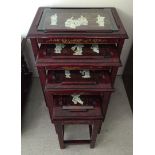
[59, 130]
[106, 99]
[96, 127]
[100, 129]
[90, 130]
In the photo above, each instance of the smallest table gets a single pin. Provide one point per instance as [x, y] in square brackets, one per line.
[75, 114]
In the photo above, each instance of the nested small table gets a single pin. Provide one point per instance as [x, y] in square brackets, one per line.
[77, 41]
[64, 113]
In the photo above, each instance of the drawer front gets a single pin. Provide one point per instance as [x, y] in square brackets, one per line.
[64, 107]
[78, 51]
[78, 55]
[78, 81]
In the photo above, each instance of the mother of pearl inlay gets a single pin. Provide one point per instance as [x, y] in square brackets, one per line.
[85, 74]
[76, 99]
[95, 48]
[77, 49]
[100, 20]
[58, 48]
[73, 23]
[54, 19]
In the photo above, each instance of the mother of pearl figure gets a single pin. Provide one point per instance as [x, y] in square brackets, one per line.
[100, 20]
[54, 19]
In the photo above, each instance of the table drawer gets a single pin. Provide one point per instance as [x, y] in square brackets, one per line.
[64, 107]
[76, 79]
[56, 53]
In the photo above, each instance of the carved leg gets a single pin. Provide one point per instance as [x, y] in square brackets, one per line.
[59, 130]
[96, 127]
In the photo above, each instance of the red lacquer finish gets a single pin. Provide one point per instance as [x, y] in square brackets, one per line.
[103, 66]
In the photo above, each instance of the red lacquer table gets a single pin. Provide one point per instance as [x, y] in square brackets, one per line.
[77, 53]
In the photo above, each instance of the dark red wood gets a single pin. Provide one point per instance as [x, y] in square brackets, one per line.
[109, 56]
[35, 47]
[77, 65]
[59, 131]
[113, 74]
[93, 117]
[76, 141]
[76, 40]
[34, 33]
[120, 45]
[42, 76]
[100, 80]
[96, 91]
[96, 126]
[105, 99]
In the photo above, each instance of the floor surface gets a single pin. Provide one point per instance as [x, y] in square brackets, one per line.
[39, 137]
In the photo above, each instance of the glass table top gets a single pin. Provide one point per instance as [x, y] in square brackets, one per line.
[77, 20]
